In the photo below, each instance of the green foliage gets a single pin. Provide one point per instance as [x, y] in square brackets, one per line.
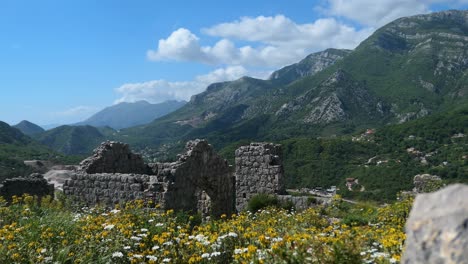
[311, 200]
[15, 148]
[262, 201]
[432, 186]
[312, 162]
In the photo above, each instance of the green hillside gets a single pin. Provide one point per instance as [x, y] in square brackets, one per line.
[73, 140]
[28, 128]
[15, 147]
[386, 161]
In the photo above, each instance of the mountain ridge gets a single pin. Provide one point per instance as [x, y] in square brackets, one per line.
[394, 79]
[127, 114]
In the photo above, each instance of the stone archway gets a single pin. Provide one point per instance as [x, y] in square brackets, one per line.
[201, 181]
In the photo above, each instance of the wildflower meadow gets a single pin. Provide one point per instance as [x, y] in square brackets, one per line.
[55, 231]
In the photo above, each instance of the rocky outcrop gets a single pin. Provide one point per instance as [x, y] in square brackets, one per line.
[309, 66]
[425, 182]
[437, 228]
[338, 98]
[328, 109]
[259, 169]
[114, 157]
[34, 184]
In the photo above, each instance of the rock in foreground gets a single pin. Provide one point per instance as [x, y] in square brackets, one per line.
[437, 228]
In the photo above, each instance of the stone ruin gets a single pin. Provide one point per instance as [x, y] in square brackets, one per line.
[259, 169]
[199, 181]
[114, 157]
[34, 184]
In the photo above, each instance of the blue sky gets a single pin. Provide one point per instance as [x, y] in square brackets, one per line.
[61, 61]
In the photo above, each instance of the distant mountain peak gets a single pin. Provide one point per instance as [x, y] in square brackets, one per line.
[28, 128]
[128, 114]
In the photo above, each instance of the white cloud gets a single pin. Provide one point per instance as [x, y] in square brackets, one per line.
[276, 41]
[161, 90]
[376, 13]
[78, 110]
[180, 45]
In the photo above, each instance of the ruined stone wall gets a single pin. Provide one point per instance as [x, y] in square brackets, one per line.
[259, 169]
[200, 180]
[303, 202]
[108, 188]
[35, 184]
[114, 157]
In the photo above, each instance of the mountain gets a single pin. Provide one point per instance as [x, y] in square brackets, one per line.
[11, 135]
[309, 66]
[28, 128]
[50, 126]
[417, 64]
[124, 115]
[410, 68]
[72, 140]
[15, 147]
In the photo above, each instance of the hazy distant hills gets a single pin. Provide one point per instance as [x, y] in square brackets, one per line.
[410, 68]
[72, 140]
[81, 138]
[28, 128]
[124, 115]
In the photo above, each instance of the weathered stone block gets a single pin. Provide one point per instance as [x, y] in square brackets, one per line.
[437, 228]
[136, 187]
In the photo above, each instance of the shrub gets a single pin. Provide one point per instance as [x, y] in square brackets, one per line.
[312, 200]
[354, 219]
[261, 201]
